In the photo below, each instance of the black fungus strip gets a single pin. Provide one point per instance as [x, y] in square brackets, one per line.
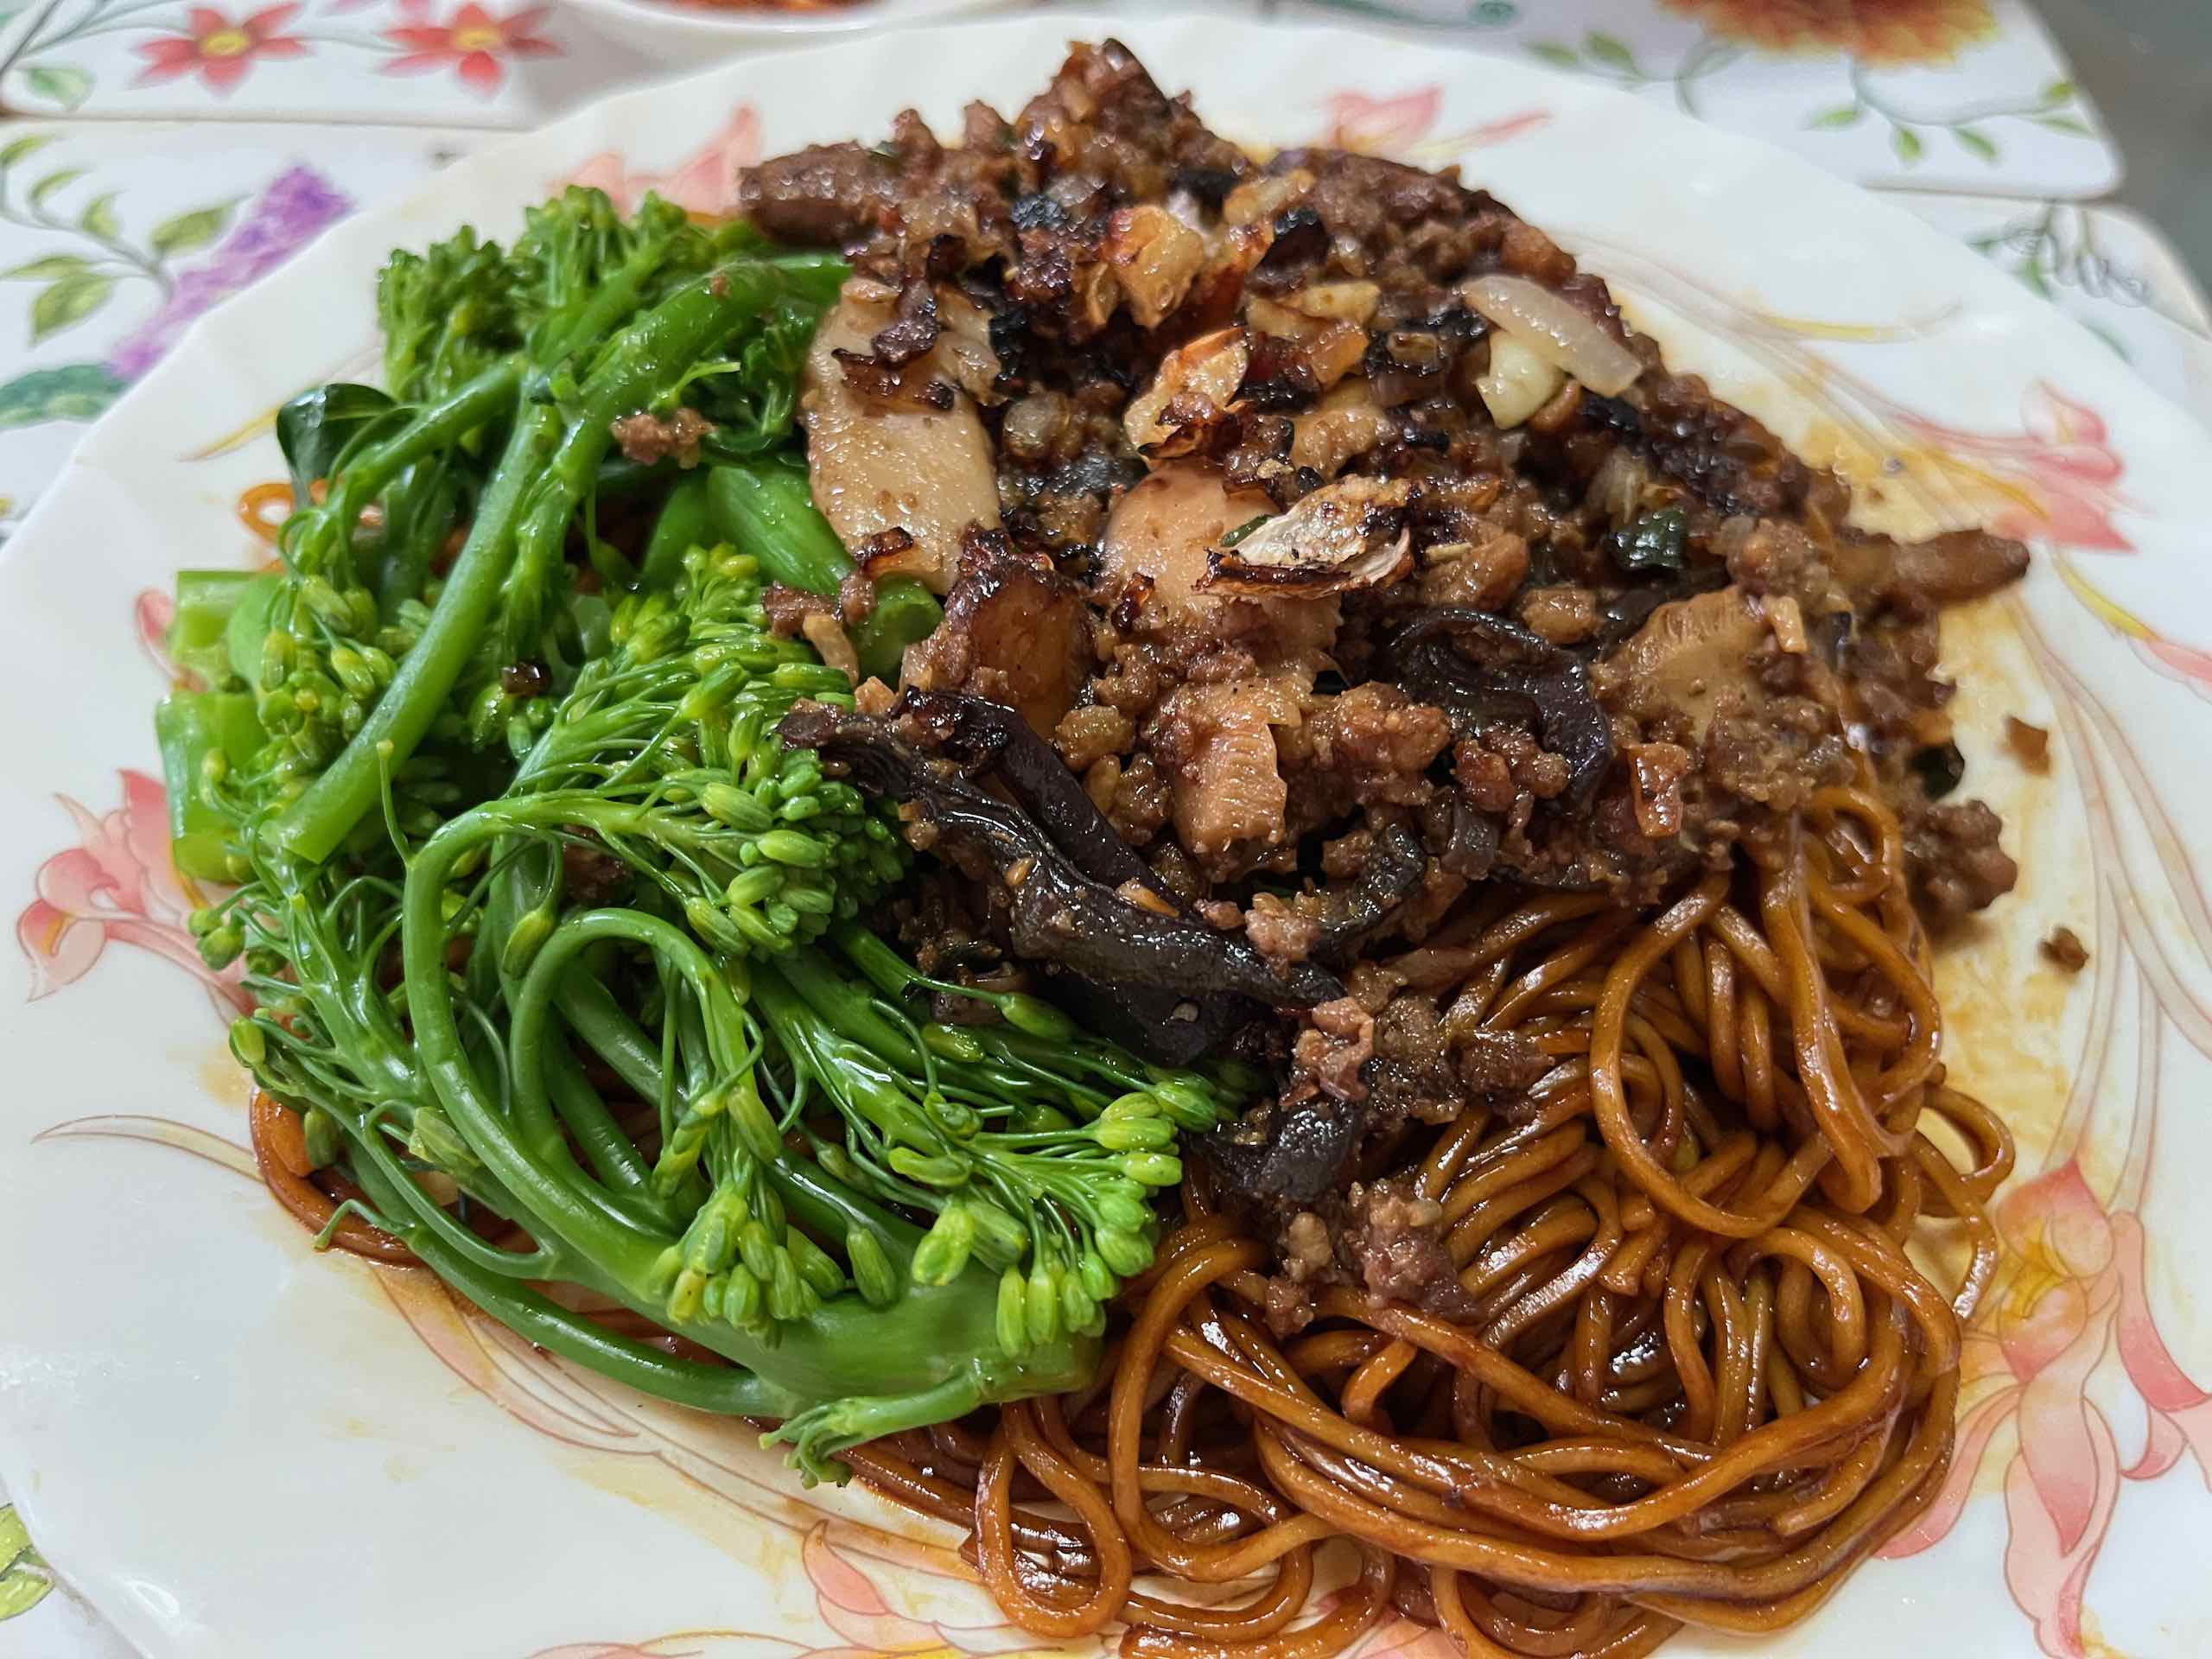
[1359, 910]
[1484, 673]
[1057, 914]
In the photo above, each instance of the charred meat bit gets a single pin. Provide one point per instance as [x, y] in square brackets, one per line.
[1956, 866]
[647, 439]
[2065, 947]
[2030, 744]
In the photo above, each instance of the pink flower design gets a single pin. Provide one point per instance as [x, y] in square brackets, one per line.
[705, 184]
[151, 616]
[2057, 480]
[474, 41]
[1375, 125]
[218, 50]
[1401, 125]
[2185, 664]
[850, 1604]
[117, 886]
[2073, 1286]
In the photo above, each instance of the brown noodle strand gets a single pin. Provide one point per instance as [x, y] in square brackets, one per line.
[280, 1153]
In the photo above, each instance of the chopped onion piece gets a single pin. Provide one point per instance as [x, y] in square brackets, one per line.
[1556, 330]
[1519, 383]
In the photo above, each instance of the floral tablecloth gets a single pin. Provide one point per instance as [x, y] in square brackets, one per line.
[156, 157]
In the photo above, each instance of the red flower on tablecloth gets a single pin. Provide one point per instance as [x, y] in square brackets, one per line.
[116, 887]
[218, 49]
[1877, 31]
[473, 41]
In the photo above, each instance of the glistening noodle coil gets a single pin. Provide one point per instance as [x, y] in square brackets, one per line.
[1703, 1379]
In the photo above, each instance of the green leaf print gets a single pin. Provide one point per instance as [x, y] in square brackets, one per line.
[1976, 144]
[46, 269]
[16, 149]
[69, 303]
[1609, 49]
[54, 181]
[187, 232]
[24, 1577]
[98, 217]
[77, 391]
[64, 83]
[1556, 52]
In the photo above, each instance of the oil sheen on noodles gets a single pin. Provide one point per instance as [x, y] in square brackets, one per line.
[1704, 1378]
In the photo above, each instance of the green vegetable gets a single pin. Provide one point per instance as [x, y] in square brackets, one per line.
[1243, 529]
[905, 613]
[1658, 541]
[686, 521]
[202, 737]
[245, 630]
[638, 1013]
[765, 505]
[319, 429]
[206, 602]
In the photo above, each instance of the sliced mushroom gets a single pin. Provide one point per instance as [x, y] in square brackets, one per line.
[1347, 534]
[893, 462]
[1152, 562]
[1684, 657]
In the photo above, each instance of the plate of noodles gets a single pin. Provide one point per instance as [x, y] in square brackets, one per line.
[829, 881]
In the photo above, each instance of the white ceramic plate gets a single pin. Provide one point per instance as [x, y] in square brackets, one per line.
[238, 1448]
[727, 26]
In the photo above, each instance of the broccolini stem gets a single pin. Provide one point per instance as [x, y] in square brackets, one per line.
[728, 1391]
[684, 523]
[553, 1197]
[595, 1015]
[765, 508]
[631, 372]
[439, 427]
[313, 826]
[931, 1335]
[551, 461]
